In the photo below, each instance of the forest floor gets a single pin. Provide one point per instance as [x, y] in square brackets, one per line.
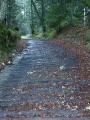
[75, 39]
[48, 80]
[83, 57]
[37, 85]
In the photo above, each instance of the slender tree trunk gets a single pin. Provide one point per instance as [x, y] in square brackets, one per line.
[10, 14]
[42, 19]
[32, 21]
[88, 15]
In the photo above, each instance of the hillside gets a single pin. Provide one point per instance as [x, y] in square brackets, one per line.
[77, 39]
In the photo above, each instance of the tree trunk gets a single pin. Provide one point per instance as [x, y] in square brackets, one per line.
[32, 22]
[88, 15]
[42, 19]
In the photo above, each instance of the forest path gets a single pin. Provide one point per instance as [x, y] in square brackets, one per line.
[33, 88]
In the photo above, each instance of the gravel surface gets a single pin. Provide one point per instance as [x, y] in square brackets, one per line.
[41, 84]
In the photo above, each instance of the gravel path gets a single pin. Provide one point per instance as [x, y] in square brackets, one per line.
[37, 87]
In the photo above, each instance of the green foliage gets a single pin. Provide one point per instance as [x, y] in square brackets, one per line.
[8, 39]
[11, 9]
[31, 15]
[13, 37]
[39, 35]
[55, 16]
[86, 3]
[62, 15]
[64, 23]
[16, 29]
[50, 33]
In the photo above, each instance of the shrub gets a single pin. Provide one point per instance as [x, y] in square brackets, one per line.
[55, 16]
[13, 37]
[51, 33]
[8, 39]
[38, 35]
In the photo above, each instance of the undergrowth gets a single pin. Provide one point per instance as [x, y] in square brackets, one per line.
[72, 33]
[9, 40]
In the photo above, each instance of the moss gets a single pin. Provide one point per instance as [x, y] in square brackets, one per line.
[87, 36]
[8, 41]
[51, 33]
[38, 35]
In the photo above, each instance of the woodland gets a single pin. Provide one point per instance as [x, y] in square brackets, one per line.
[45, 59]
[43, 19]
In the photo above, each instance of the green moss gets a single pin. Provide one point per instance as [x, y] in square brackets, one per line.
[51, 33]
[39, 35]
[8, 39]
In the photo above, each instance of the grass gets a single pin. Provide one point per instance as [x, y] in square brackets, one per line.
[73, 34]
[25, 36]
[51, 33]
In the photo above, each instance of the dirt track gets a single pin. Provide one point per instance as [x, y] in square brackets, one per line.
[37, 86]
